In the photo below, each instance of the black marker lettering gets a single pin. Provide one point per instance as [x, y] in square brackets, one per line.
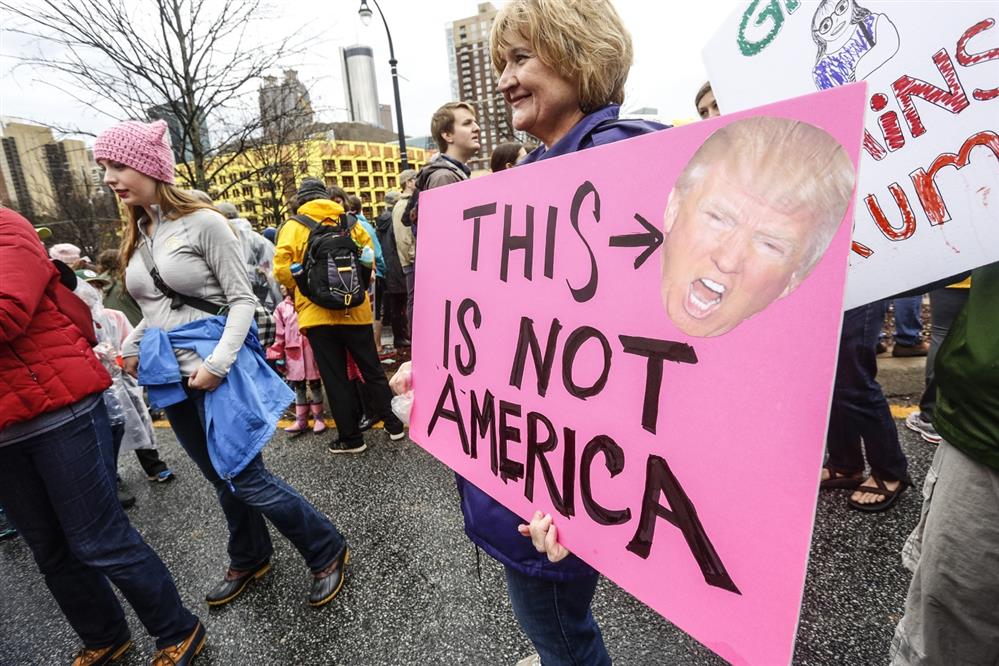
[659, 479]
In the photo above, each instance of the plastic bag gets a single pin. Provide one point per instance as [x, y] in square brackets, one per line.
[401, 406]
[402, 385]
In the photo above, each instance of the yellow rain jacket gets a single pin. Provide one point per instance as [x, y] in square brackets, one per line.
[291, 249]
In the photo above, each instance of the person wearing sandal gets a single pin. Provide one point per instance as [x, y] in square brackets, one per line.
[860, 421]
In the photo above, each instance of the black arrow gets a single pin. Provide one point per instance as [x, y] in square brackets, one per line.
[650, 240]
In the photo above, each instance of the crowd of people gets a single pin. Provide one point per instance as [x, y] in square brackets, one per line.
[220, 328]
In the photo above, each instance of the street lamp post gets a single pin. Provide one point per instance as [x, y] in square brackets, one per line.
[365, 13]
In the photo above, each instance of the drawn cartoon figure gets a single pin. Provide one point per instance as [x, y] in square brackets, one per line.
[853, 42]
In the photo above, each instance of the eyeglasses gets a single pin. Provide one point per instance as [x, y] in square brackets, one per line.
[827, 23]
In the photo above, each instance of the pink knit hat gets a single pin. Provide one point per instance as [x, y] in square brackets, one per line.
[143, 146]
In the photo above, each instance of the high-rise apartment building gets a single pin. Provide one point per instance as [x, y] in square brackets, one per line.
[54, 184]
[285, 107]
[473, 81]
[360, 86]
[35, 169]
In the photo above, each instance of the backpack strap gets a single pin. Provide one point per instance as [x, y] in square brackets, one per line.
[176, 299]
[306, 220]
[347, 221]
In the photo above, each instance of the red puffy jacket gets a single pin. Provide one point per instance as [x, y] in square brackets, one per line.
[45, 359]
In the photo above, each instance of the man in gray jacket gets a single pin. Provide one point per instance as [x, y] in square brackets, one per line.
[456, 132]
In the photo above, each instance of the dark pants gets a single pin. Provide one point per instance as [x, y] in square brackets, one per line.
[557, 619]
[150, 461]
[330, 345]
[860, 412]
[395, 316]
[945, 305]
[410, 273]
[254, 495]
[59, 491]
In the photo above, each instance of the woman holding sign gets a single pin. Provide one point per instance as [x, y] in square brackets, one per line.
[562, 66]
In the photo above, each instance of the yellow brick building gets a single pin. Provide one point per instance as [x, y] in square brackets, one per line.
[262, 180]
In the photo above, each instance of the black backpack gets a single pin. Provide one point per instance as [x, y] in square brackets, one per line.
[332, 274]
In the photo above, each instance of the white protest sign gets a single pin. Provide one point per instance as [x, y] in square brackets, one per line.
[926, 206]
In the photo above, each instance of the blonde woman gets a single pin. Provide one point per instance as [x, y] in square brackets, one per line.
[562, 66]
[183, 264]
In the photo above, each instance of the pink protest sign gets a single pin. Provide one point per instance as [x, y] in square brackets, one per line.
[641, 339]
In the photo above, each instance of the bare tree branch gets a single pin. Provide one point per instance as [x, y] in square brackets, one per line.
[191, 59]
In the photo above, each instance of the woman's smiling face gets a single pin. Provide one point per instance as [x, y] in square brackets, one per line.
[543, 103]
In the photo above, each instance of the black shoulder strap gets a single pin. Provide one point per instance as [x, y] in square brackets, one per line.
[176, 299]
[306, 220]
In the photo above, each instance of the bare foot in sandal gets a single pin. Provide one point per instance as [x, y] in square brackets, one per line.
[884, 496]
[833, 479]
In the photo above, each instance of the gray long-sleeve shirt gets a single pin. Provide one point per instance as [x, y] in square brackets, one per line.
[196, 255]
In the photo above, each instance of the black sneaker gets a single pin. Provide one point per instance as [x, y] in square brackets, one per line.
[125, 498]
[340, 446]
[396, 435]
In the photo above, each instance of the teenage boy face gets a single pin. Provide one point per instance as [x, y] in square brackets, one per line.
[465, 136]
[728, 253]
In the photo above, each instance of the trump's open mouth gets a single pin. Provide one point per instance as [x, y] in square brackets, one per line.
[703, 297]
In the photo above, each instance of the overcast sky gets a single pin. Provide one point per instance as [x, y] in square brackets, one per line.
[667, 36]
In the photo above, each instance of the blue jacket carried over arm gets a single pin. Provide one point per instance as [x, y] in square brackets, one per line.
[241, 414]
[489, 524]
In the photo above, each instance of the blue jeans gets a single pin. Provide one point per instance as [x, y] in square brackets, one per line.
[59, 491]
[556, 617]
[908, 320]
[258, 494]
[860, 412]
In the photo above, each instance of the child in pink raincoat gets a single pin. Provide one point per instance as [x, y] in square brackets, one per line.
[291, 347]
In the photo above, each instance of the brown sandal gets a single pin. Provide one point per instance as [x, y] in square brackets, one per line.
[890, 496]
[841, 480]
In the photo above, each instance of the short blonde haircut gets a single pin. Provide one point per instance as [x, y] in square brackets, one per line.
[790, 164]
[443, 121]
[584, 41]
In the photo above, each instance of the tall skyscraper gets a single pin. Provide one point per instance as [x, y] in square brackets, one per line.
[285, 107]
[359, 84]
[473, 81]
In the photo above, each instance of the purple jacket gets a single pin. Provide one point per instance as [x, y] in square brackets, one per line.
[489, 524]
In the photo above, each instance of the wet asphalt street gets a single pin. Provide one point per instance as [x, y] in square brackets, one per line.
[416, 592]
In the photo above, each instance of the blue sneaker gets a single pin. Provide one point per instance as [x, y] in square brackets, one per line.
[7, 530]
[166, 476]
